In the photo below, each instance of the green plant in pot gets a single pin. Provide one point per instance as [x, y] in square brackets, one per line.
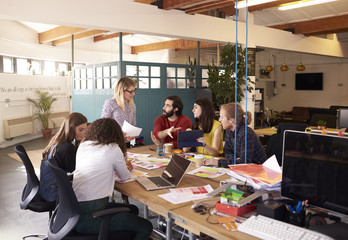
[43, 107]
[222, 83]
[191, 72]
[321, 124]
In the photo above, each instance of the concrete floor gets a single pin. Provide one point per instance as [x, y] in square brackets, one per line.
[14, 222]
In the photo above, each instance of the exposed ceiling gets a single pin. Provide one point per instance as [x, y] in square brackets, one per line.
[318, 20]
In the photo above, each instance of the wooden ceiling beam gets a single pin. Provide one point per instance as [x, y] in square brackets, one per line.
[86, 34]
[178, 44]
[172, 4]
[103, 37]
[59, 32]
[317, 26]
[209, 6]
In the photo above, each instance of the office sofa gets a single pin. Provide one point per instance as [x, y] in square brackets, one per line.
[297, 114]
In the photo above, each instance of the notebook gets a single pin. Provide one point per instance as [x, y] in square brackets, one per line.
[189, 138]
[171, 176]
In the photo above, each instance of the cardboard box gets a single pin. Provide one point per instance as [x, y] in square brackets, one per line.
[235, 211]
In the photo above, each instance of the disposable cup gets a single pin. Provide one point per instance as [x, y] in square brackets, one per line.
[199, 160]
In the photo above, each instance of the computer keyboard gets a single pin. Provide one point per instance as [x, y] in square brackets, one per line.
[160, 182]
[268, 228]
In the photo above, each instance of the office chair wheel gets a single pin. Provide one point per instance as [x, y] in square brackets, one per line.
[42, 236]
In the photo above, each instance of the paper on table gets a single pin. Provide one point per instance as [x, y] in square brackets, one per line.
[208, 172]
[134, 175]
[273, 164]
[130, 130]
[181, 195]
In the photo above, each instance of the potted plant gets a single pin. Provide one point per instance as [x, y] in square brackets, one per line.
[321, 124]
[222, 83]
[191, 73]
[43, 107]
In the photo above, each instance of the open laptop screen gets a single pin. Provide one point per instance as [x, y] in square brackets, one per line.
[176, 169]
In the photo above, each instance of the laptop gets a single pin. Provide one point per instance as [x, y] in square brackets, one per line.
[171, 176]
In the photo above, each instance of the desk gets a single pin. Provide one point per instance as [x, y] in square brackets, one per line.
[181, 213]
[261, 132]
[196, 223]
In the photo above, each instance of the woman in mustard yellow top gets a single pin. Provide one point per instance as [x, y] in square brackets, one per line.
[203, 112]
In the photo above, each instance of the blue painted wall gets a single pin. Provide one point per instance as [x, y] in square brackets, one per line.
[89, 100]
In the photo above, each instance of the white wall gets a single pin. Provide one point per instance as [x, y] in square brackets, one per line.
[335, 72]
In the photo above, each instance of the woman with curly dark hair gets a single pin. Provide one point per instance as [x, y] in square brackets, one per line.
[99, 157]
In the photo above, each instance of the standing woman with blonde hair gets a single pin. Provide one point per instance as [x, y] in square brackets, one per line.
[255, 152]
[63, 144]
[122, 107]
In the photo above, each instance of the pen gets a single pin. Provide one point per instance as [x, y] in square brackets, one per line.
[298, 207]
[290, 208]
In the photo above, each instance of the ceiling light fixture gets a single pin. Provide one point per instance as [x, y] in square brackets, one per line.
[243, 4]
[303, 3]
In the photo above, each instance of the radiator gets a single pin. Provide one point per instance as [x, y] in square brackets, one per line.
[56, 119]
[18, 126]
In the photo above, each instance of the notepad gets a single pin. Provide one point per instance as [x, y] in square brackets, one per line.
[189, 138]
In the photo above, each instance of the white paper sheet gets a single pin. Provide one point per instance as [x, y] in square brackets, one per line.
[130, 130]
[273, 164]
[181, 195]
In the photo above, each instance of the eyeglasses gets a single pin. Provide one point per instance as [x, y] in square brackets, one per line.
[131, 92]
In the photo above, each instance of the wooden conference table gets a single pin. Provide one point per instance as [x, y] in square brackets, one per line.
[180, 214]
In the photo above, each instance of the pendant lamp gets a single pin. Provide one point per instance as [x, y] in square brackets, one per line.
[284, 68]
[269, 68]
[300, 67]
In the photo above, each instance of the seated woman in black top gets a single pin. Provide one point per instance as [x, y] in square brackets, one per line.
[63, 144]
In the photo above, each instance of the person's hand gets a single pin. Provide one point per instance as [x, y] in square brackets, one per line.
[129, 165]
[188, 129]
[171, 130]
[202, 140]
[129, 138]
[154, 139]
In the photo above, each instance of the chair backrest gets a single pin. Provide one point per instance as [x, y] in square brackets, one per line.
[31, 188]
[291, 126]
[67, 212]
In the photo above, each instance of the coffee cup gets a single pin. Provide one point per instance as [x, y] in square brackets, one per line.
[199, 160]
[168, 147]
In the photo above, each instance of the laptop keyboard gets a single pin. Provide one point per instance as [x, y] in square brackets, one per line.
[160, 182]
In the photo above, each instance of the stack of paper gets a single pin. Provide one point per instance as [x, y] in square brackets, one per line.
[267, 176]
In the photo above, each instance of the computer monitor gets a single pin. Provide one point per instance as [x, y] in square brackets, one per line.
[343, 118]
[315, 168]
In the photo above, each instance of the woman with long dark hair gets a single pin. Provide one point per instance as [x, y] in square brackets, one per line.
[204, 114]
[64, 144]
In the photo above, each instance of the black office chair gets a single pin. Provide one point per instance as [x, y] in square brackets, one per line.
[275, 142]
[31, 198]
[67, 213]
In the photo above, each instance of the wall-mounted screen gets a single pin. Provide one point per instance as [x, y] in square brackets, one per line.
[309, 81]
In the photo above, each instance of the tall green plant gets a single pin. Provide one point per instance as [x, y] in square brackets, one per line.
[191, 72]
[222, 83]
[43, 107]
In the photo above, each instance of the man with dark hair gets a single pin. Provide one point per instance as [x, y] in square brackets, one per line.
[172, 120]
